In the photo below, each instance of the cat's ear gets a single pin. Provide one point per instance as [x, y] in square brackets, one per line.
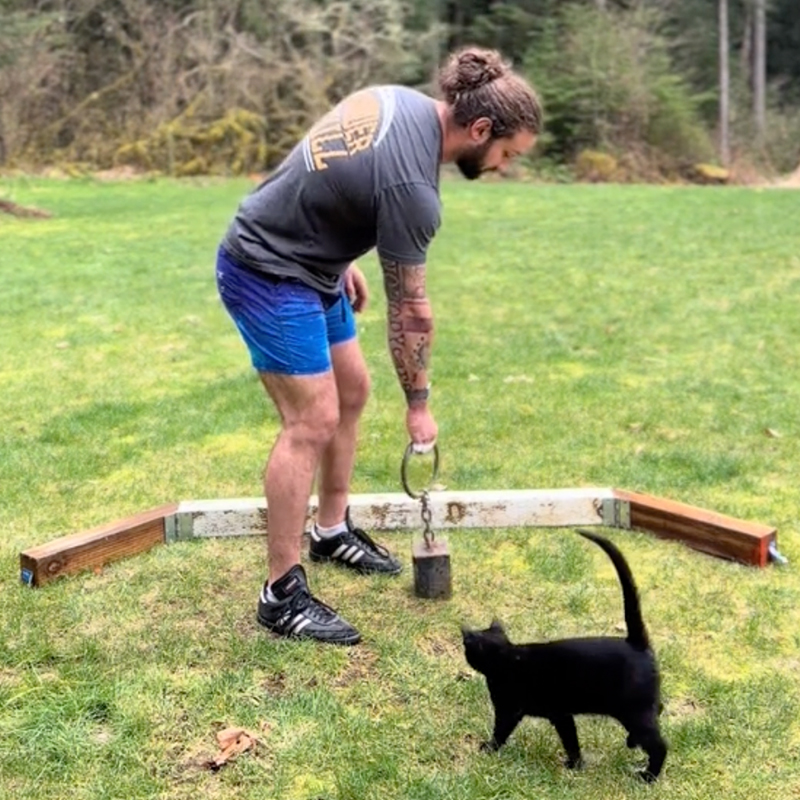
[497, 627]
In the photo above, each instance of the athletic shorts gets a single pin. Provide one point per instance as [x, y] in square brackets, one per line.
[288, 327]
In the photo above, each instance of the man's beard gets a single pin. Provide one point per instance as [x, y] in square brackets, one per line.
[471, 163]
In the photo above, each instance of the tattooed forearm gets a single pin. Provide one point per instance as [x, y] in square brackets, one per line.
[410, 327]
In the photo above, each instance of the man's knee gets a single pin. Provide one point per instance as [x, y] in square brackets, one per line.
[353, 396]
[315, 427]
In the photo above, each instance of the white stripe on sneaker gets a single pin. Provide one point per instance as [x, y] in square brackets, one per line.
[357, 557]
[301, 625]
[298, 623]
[338, 551]
[348, 554]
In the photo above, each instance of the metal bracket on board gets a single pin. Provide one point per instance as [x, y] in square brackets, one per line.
[616, 513]
[178, 528]
[775, 556]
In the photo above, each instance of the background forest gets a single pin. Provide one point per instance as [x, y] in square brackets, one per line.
[633, 89]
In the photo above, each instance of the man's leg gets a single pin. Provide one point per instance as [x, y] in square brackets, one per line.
[336, 466]
[283, 325]
[334, 537]
[308, 408]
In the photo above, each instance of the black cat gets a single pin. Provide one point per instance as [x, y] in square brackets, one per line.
[612, 676]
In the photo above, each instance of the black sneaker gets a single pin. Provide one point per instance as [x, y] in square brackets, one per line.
[298, 614]
[353, 549]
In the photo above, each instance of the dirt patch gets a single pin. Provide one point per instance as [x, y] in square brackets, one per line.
[123, 173]
[16, 210]
[437, 647]
[683, 708]
[275, 685]
[361, 666]
[791, 181]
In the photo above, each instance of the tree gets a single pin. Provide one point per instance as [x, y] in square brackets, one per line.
[724, 85]
[607, 83]
[760, 69]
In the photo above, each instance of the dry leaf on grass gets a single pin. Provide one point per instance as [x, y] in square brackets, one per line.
[231, 741]
[772, 433]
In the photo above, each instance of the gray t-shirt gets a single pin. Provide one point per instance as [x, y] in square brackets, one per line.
[366, 175]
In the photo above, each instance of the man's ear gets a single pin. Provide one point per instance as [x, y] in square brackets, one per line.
[480, 130]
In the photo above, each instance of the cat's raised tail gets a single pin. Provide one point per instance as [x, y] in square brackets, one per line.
[637, 633]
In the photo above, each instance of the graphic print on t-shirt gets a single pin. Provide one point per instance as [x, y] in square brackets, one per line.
[356, 124]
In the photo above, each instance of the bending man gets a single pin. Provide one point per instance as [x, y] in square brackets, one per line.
[365, 176]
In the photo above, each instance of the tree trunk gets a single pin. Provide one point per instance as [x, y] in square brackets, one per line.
[747, 45]
[724, 85]
[760, 70]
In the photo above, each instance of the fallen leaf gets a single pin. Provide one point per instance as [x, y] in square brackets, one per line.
[232, 742]
[772, 433]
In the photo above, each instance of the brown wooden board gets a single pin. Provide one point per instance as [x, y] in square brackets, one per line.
[716, 534]
[94, 547]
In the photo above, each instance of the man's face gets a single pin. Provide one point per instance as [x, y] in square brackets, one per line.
[472, 162]
[491, 155]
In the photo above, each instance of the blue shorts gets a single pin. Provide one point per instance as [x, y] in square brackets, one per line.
[288, 327]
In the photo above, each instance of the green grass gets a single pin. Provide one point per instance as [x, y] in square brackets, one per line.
[637, 337]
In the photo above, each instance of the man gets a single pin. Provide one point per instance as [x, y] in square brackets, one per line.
[366, 175]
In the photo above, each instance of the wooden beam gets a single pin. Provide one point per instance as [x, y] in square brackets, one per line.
[397, 511]
[94, 547]
[709, 532]
[716, 534]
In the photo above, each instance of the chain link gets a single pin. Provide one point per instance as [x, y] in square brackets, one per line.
[427, 515]
[424, 494]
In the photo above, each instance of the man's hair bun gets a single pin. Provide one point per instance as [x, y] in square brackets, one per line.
[470, 69]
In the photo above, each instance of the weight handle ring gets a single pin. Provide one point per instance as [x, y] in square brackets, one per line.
[404, 468]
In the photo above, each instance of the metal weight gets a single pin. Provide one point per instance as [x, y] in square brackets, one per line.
[430, 557]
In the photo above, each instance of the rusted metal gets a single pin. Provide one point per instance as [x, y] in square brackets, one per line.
[404, 470]
[431, 558]
[432, 574]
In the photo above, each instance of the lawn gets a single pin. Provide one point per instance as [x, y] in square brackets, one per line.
[644, 338]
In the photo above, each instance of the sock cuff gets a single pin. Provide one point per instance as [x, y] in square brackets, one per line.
[325, 533]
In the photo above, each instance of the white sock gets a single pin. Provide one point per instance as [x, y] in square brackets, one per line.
[326, 533]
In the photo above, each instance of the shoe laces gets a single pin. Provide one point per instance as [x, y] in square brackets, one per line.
[314, 609]
[370, 542]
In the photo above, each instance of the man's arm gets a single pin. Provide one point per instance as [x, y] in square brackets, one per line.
[410, 328]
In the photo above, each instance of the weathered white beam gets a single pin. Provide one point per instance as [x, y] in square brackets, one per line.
[397, 511]
[707, 531]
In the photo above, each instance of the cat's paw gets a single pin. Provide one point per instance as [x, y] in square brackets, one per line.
[574, 763]
[647, 776]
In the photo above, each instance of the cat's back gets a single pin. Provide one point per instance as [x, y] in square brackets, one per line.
[582, 675]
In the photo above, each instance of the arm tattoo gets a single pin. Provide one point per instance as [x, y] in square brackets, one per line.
[410, 325]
